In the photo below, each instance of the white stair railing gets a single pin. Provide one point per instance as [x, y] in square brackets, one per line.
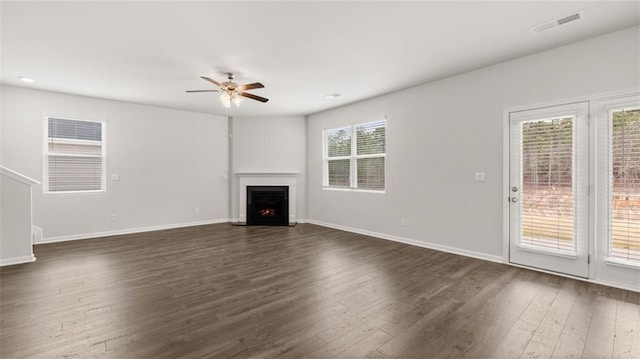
[16, 227]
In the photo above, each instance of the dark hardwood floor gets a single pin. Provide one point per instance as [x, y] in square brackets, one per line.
[223, 291]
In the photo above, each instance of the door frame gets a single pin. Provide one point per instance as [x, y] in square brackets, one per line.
[593, 277]
[576, 264]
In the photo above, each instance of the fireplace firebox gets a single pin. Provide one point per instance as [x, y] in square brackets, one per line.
[268, 205]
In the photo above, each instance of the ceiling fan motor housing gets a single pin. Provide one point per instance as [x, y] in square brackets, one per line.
[229, 86]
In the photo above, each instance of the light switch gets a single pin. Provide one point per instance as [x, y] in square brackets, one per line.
[115, 177]
[480, 177]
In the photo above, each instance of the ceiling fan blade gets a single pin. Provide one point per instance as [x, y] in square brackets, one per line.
[253, 97]
[210, 80]
[201, 91]
[255, 85]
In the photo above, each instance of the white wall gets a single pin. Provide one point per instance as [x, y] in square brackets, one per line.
[269, 144]
[441, 133]
[170, 162]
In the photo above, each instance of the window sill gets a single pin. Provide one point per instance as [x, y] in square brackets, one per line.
[346, 189]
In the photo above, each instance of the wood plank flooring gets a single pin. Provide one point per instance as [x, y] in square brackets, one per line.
[222, 291]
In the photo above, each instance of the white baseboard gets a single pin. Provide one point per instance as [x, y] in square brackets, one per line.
[129, 231]
[36, 234]
[413, 242]
[17, 260]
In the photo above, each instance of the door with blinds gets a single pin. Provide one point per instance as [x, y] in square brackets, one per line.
[617, 189]
[549, 188]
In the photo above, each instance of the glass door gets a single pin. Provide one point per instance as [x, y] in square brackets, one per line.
[549, 188]
[617, 125]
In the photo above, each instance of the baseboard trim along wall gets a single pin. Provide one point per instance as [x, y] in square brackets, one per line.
[17, 260]
[413, 242]
[128, 231]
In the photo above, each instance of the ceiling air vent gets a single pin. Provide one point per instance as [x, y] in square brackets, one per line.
[557, 22]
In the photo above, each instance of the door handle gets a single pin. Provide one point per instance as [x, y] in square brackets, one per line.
[514, 199]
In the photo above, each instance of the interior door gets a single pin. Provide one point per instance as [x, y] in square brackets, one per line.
[549, 188]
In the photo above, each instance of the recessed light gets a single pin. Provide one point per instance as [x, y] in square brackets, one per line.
[26, 79]
[331, 96]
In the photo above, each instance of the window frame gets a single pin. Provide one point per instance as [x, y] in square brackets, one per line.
[353, 158]
[46, 154]
[604, 111]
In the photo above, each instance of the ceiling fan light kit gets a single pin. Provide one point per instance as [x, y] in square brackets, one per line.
[225, 100]
[231, 92]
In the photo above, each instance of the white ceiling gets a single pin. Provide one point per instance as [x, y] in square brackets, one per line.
[150, 53]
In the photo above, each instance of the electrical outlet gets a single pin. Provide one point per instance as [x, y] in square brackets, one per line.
[114, 217]
[403, 221]
[197, 209]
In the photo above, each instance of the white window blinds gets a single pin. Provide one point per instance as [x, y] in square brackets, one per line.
[370, 139]
[338, 144]
[624, 186]
[548, 185]
[74, 153]
[355, 156]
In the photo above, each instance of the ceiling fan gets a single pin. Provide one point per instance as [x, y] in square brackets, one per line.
[232, 92]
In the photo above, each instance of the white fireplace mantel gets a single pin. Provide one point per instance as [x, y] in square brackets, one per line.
[266, 179]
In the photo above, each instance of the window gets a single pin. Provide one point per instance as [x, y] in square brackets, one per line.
[624, 186]
[74, 156]
[547, 185]
[354, 156]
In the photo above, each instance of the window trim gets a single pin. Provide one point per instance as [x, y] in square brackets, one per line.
[46, 154]
[353, 158]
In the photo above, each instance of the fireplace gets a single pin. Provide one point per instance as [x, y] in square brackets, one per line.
[265, 179]
[268, 205]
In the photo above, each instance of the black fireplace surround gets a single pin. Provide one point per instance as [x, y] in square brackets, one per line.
[267, 205]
